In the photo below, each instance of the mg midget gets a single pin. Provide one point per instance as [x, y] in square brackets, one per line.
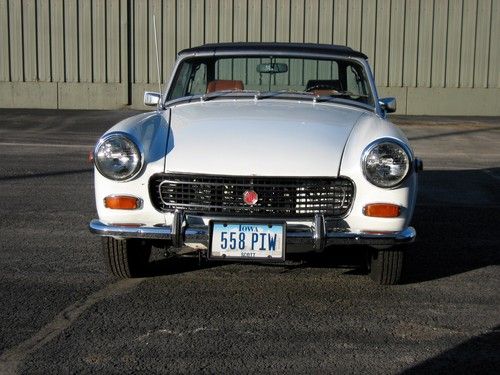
[258, 152]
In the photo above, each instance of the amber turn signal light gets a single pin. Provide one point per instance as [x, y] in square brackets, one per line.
[382, 210]
[117, 202]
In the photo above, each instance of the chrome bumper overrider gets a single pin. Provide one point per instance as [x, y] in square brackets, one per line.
[299, 237]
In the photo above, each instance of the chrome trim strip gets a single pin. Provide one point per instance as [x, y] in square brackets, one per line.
[177, 222]
[319, 232]
[239, 208]
[158, 233]
[250, 185]
[307, 236]
[373, 86]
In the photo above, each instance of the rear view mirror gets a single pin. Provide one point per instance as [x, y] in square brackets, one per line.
[151, 98]
[388, 104]
[272, 68]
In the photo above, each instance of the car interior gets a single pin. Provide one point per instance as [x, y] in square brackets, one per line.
[224, 84]
[340, 79]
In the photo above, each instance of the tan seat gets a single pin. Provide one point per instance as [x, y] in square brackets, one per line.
[224, 84]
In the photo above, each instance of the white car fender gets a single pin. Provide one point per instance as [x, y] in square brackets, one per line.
[368, 129]
[149, 131]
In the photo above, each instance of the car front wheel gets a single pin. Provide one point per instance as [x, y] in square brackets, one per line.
[386, 266]
[126, 258]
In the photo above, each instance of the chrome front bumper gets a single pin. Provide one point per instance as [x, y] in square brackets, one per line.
[299, 237]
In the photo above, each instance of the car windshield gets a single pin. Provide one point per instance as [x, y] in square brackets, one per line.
[328, 79]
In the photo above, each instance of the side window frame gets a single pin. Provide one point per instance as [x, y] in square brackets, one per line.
[195, 68]
[177, 91]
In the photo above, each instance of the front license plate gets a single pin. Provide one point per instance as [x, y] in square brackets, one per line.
[247, 241]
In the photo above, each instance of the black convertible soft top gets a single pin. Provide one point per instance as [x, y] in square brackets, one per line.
[269, 47]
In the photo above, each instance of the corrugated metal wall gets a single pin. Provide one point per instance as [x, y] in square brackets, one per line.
[63, 40]
[436, 56]
[64, 53]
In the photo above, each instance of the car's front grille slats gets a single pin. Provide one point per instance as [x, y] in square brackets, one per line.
[278, 196]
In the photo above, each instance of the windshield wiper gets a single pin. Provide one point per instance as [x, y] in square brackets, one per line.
[256, 94]
[217, 94]
[270, 94]
[333, 95]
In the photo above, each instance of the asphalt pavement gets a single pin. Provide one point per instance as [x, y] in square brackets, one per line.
[62, 313]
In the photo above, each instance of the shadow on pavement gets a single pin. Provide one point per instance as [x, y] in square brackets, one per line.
[456, 219]
[476, 356]
[457, 224]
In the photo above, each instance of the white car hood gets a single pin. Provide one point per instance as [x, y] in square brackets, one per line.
[261, 138]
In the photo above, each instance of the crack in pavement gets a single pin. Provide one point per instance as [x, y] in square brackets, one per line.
[11, 359]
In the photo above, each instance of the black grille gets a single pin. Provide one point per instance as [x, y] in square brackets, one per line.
[279, 197]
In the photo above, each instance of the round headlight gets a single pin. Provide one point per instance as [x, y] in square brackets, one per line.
[117, 157]
[386, 163]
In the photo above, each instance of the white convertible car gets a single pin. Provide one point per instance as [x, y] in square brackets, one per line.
[258, 151]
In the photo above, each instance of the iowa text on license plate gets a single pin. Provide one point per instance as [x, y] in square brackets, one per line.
[242, 240]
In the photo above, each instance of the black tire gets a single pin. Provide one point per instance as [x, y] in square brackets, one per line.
[126, 258]
[386, 266]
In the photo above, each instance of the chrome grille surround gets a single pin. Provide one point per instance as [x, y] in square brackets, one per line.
[290, 197]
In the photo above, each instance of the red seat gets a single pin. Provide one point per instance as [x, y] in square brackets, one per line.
[224, 84]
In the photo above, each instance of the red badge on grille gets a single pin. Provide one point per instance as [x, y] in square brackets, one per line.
[250, 197]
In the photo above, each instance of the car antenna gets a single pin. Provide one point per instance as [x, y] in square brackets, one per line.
[160, 104]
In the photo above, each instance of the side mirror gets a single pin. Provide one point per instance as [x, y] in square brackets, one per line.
[388, 104]
[151, 98]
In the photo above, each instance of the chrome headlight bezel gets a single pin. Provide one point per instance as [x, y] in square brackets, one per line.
[393, 141]
[137, 150]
